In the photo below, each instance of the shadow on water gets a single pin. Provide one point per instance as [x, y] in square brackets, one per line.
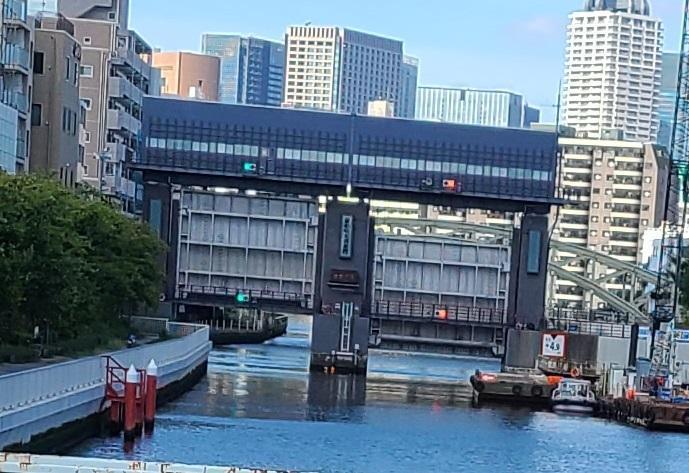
[259, 407]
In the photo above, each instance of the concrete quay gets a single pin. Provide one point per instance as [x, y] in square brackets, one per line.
[51, 408]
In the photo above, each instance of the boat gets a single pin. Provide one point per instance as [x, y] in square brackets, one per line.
[573, 396]
[256, 329]
[528, 388]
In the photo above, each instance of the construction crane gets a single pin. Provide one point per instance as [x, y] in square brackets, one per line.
[675, 214]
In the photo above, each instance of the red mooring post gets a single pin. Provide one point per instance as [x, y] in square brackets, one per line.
[130, 407]
[150, 396]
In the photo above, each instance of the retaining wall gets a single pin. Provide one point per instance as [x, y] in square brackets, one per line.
[36, 401]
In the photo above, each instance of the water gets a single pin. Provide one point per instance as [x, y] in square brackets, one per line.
[259, 407]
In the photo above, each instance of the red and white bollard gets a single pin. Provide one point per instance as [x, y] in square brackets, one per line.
[130, 408]
[150, 396]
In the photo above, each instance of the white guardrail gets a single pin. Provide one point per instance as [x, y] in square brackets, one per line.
[23, 463]
[36, 400]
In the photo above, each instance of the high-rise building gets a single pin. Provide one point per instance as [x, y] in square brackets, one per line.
[470, 106]
[251, 69]
[189, 75]
[531, 115]
[15, 74]
[410, 79]
[612, 69]
[337, 69]
[116, 73]
[667, 98]
[56, 108]
[618, 188]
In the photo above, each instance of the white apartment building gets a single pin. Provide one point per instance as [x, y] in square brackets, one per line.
[619, 189]
[337, 69]
[613, 69]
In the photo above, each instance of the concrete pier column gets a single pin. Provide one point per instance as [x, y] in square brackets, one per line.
[529, 272]
[343, 291]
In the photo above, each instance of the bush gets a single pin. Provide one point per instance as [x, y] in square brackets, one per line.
[17, 354]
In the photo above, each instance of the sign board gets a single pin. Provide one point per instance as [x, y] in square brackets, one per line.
[346, 231]
[553, 345]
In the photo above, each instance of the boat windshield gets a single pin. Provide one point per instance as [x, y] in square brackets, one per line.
[574, 389]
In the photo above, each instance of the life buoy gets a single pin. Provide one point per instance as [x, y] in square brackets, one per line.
[575, 372]
[517, 390]
[537, 391]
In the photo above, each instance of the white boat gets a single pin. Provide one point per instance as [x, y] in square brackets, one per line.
[573, 396]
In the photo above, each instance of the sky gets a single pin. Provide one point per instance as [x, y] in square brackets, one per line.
[517, 45]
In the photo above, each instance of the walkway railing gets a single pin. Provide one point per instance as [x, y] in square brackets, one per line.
[439, 312]
[602, 329]
[253, 295]
[23, 388]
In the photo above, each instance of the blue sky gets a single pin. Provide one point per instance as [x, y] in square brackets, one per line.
[508, 44]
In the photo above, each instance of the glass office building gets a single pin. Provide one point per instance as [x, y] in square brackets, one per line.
[668, 97]
[251, 71]
[470, 106]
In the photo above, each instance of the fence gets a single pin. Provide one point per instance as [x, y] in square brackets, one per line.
[602, 329]
[26, 388]
[439, 312]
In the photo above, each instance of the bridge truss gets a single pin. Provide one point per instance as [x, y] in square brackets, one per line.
[632, 302]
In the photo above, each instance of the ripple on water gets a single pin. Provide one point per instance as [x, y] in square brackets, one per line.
[259, 407]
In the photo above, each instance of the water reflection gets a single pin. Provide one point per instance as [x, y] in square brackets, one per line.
[259, 407]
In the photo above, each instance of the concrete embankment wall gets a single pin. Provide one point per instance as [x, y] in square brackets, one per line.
[36, 402]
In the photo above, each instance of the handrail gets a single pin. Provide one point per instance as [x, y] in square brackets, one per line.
[438, 312]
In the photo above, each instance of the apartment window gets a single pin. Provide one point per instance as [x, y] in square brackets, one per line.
[76, 73]
[595, 205]
[86, 71]
[68, 67]
[86, 40]
[38, 58]
[36, 112]
[87, 103]
[594, 219]
[87, 137]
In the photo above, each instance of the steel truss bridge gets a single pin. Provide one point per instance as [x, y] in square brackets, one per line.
[634, 306]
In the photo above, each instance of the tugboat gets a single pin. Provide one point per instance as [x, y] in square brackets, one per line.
[573, 396]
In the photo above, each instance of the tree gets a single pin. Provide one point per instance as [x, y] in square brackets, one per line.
[69, 260]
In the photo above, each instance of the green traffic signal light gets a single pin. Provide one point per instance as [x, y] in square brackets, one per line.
[242, 298]
[249, 167]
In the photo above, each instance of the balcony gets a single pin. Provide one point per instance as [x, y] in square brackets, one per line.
[119, 87]
[15, 13]
[16, 58]
[129, 60]
[121, 120]
[16, 100]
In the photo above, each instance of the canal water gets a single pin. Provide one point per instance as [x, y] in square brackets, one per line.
[260, 408]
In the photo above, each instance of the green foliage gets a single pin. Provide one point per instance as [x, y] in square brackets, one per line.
[69, 262]
[17, 354]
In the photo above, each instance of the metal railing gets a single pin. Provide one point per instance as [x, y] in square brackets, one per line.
[439, 312]
[253, 294]
[588, 315]
[603, 329]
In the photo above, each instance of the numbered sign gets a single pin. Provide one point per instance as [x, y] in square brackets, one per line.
[554, 345]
